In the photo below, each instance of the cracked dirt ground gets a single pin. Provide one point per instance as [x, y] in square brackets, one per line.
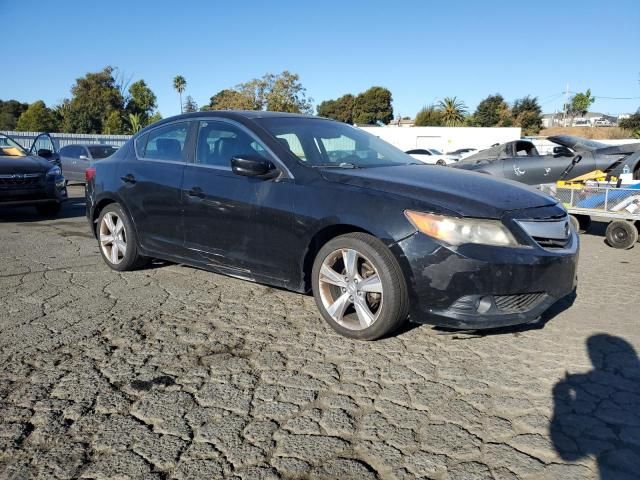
[172, 372]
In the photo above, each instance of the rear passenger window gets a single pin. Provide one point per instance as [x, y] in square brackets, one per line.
[167, 143]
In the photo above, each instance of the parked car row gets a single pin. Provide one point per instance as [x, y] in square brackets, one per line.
[39, 176]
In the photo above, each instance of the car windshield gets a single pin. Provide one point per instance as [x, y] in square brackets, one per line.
[326, 143]
[11, 148]
[101, 151]
[435, 152]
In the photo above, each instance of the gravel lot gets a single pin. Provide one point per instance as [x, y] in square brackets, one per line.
[172, 372]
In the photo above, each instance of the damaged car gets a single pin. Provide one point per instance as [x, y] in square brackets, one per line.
[572, 157]
[378, 237]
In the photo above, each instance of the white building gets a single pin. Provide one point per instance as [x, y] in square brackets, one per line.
[445, 139]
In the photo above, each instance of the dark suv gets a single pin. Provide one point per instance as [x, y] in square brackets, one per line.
[311, 204]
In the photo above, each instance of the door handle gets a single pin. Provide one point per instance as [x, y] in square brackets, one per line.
[128, 178]
[195, 192]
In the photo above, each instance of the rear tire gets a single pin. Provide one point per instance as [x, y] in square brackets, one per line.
[49, 209]
[441, 163]
[359, 287]
[117, 240]
[621, 234]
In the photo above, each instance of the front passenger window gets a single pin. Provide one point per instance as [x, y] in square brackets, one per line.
[167, 143]
[218, 142]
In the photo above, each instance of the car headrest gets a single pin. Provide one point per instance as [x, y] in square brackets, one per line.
[168, 147]
[229, 147]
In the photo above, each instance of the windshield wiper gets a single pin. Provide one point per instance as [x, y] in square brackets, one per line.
[335, 165]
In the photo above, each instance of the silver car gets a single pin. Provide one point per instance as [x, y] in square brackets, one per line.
[75, 159]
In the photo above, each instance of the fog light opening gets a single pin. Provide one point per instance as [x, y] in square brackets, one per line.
[484, 304]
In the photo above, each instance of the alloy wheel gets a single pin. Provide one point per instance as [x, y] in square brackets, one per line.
[350, 289]
[113, 239]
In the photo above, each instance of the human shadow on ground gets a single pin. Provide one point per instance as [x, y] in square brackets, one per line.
[598, 413]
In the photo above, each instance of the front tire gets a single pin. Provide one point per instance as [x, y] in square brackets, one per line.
[359, 287]
[117, 239]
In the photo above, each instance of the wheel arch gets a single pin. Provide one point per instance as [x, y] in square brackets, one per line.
[320, 238]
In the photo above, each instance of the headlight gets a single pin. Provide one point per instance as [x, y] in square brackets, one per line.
[54, 171]
[456, 231]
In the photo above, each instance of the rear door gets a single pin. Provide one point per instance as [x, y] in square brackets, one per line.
[151, 186]
[67, 158]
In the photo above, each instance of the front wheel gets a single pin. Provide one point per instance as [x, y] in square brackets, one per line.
[621, 234]
[117, 239]
[359, 287]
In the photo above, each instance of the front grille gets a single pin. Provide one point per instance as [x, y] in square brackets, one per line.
[24, 181]
[519, 303]
[553, 233]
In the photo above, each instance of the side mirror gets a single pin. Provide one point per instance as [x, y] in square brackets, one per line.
[253, 166]
[562, 152]
[45, 153]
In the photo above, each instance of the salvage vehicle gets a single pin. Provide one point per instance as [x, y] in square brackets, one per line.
[29, 180]
[76, 158]
[431, 156]
[519, 160]
[378, 237]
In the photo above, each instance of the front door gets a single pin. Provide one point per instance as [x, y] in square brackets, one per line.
[224, 214]
[44, 146]
[150, 186]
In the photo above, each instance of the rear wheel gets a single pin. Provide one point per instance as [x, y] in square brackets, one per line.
[621, 234]
[359, 287]
[441, 162]
[117, 239]
[49, 209]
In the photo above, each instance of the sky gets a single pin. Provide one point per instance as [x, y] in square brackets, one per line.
[422, 51]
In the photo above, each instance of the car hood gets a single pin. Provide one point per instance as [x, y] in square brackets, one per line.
[29, 164]
[447, 190]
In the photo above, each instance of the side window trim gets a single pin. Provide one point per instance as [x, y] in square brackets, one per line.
[187, 157]
[272, 156]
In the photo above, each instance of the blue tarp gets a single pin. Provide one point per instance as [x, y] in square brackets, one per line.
[615, 196]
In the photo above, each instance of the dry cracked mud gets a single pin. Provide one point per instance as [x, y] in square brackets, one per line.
[175, 373]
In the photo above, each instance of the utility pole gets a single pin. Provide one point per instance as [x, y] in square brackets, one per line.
[566, 106]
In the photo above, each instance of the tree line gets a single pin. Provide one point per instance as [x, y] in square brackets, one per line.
[106, 102]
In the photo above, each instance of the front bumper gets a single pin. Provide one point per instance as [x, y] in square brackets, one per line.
[479, 286]
[51, 189]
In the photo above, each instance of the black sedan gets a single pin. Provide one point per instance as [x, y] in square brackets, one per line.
[377, 236]
[27, 179]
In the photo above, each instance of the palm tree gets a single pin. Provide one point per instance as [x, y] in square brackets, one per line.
[135, 122]
[453, 111]
[179, 83]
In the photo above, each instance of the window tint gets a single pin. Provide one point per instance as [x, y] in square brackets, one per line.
[419, 151]
[102, 151]
[219, 141]
[167, 143]
[72, 151]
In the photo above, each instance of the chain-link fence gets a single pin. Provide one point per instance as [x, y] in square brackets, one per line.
[598, 200]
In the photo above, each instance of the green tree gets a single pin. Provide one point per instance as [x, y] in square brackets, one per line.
[179, 85]
[93, 98]
[113, 124]
[285, 93]
[527, 114]
[632, 124]
[428, 117]
[372, 106]
[490, 111]
[135, 123]
[282, 92]
[340, 109]
[37, 118]
[190, 105]
[580, 103]
[229, 99]
[142, 101]
[10, 111]
[156, 117]
[453, 111]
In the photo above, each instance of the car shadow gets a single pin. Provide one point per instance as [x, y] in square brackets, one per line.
[72, 208]
[597, 413]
